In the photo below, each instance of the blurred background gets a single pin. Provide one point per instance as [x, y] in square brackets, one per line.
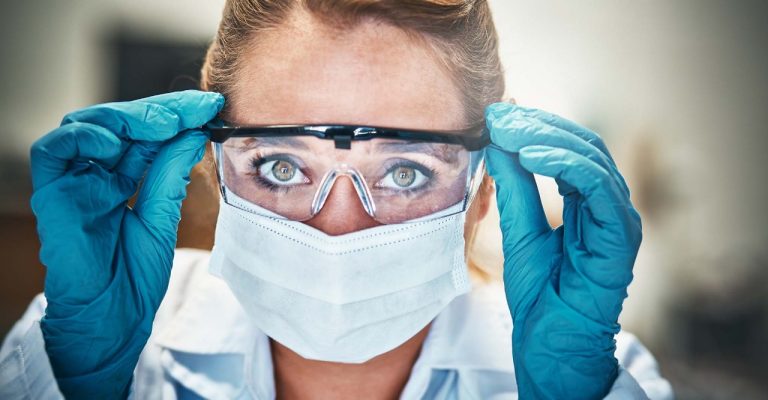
[678, 89]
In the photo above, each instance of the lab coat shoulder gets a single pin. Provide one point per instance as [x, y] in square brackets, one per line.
[25, 370]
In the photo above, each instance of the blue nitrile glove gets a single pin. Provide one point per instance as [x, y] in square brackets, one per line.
[108, 265]
[564, 287]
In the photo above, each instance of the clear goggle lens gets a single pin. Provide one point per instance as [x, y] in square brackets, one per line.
[396, 180]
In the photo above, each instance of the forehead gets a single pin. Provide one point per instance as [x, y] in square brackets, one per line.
[304, 72]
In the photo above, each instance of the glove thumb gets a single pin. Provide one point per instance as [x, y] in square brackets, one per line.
[158, 204]
[517, 197]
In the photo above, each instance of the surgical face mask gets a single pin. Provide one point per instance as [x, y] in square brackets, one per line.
[344, 298]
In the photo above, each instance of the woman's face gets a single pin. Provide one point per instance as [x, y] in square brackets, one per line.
[304, 72]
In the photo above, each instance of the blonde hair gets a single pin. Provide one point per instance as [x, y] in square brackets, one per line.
[460, 32]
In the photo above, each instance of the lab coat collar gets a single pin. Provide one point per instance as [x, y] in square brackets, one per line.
[202, 333]
[473, 333]
[209, 319]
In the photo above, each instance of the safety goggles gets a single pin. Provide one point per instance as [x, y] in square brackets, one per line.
[398, 174]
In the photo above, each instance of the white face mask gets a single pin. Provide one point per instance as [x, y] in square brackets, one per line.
[344, 298]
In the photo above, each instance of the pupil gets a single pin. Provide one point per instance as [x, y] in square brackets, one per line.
[403, 176]
[283, 171]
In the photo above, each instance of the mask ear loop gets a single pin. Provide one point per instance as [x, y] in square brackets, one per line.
[357, 181]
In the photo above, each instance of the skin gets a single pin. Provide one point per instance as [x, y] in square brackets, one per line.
[304, 72]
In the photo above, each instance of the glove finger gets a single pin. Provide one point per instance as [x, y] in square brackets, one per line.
[608, 228]
[528, 131]
[589, 136]
[137, 159]
[497, 110]
[51, 155]
[521, 213]
[156, 118]
[78, 218]
[593, 286]
[158, 204]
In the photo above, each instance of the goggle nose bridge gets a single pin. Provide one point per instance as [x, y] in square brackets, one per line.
[327, 182]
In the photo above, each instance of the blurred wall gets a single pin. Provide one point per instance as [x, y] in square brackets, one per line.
[677, 89]
[56, 59]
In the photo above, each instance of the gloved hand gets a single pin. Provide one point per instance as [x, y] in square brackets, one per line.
[564, 287]
[108, 265]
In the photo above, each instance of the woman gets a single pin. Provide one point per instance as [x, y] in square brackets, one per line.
[338, 269]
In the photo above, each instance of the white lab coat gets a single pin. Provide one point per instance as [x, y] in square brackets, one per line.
[203, 346]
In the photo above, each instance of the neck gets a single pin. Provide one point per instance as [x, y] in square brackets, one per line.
[382, 377]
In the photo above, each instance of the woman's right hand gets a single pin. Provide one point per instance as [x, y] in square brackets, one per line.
[108, 265]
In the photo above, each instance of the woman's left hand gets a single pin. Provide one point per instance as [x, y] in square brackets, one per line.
[564, 287]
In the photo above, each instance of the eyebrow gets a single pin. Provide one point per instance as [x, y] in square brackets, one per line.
[443, 152]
